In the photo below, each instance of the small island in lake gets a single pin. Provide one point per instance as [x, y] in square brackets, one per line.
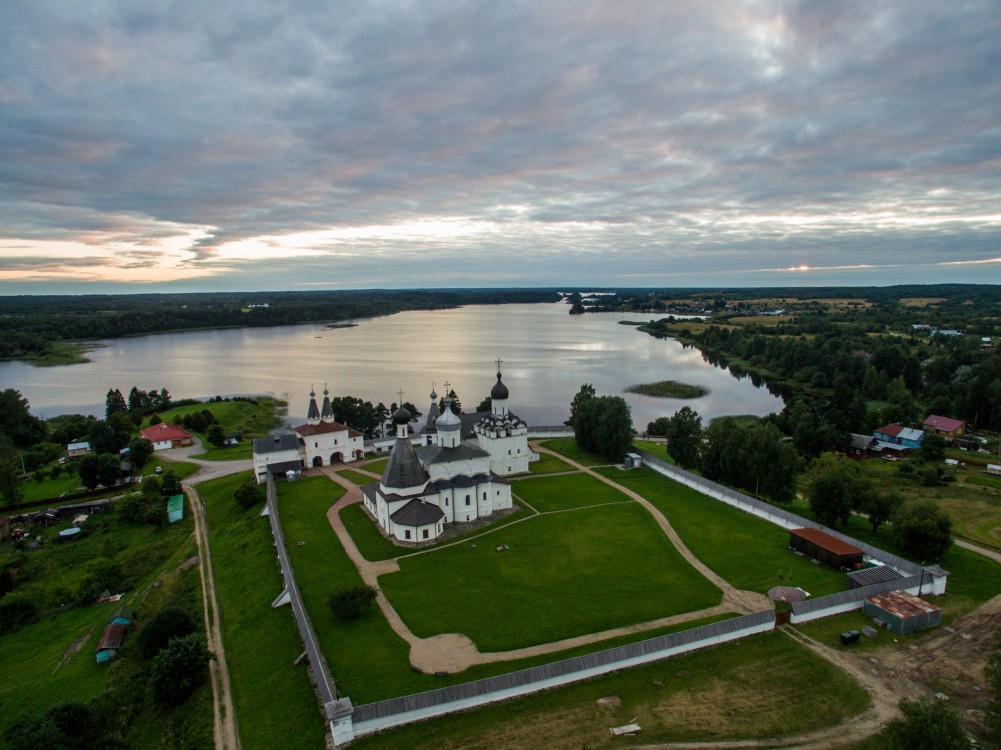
[669, 389]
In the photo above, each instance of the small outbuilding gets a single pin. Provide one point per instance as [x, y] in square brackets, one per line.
[902, 612]
[175, 508]
[123, 616]
[826, 548]
[633, 461]
[111, 641]
[858, 579]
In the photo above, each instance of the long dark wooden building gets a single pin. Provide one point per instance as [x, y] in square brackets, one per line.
[828, 549]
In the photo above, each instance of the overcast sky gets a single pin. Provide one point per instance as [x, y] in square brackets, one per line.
[183, 145]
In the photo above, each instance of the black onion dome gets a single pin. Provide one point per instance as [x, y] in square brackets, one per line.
[499, 391]
[402, 416]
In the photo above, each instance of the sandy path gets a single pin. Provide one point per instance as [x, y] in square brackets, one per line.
[454, 652]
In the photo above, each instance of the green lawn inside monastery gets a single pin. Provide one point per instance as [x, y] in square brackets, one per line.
[566, 491]
[562, 575]
[747, 551]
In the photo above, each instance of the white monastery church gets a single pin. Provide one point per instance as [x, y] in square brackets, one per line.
[449, 480]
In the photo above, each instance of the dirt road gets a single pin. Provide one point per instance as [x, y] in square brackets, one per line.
[224, 717]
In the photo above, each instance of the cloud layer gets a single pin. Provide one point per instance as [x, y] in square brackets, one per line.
[399, 144]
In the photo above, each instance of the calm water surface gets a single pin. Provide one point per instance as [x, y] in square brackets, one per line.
[547, 355]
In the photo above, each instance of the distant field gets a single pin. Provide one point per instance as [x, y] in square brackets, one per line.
[761, 320]
[921, 301]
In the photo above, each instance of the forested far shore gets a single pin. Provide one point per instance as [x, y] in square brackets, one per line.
[40, 328]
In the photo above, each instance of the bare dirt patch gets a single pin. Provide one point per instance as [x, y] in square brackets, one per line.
[921, 301]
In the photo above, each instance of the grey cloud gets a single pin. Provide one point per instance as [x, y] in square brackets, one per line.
[261, 119]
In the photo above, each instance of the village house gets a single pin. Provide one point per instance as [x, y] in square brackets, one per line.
[165, 436]
[73, 450]
[945, 426]
[893, 437]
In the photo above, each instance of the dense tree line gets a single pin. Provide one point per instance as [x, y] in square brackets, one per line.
[31, 325]
[602, 424]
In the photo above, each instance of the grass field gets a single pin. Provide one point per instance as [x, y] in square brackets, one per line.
[755, 688]
[549, 464]
[356, 477]
[366, 535]
[271, 695]
[567, 447]
[368, 660]
[252, 419]
[52, 659]
[565, 574]
[566, 492]
[378, 466]
[747, 551]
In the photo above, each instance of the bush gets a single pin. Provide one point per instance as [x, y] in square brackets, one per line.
[350, 604]
[15, 608]
[927, 724]
[247, 495]
[179, 668]
[170, 622]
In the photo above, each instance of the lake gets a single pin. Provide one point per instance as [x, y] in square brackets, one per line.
[547, 355]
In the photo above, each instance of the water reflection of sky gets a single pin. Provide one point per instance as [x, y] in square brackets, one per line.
[547, 355]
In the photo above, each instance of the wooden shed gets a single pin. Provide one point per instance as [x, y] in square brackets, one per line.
[111, 641]
[826, 548]
[902, 612]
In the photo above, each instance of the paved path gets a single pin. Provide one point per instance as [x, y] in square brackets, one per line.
[992, 554]
[454, 652]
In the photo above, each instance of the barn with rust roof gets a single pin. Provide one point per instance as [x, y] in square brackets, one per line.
[826, 548]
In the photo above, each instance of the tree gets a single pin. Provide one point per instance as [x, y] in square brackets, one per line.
[140, 449]
[350, 604]
[927, 724]
[923, 530]
[247, 495]
[109, 469]
[114, 403]
[834, 488]
[169, 622]
[585, 394]
[880, 505]
[932, 447]
[485, 405]
[769, 462]
[604, 425]
[456, 404]
[684, 437]
[179, 668]
[216, 436]
[16, 420]
[88, 468]
[658, 427]
[170, 485]
[64, 726]
[10, 484]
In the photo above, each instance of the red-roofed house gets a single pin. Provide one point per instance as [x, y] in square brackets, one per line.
[165, 436]
[945, 426]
